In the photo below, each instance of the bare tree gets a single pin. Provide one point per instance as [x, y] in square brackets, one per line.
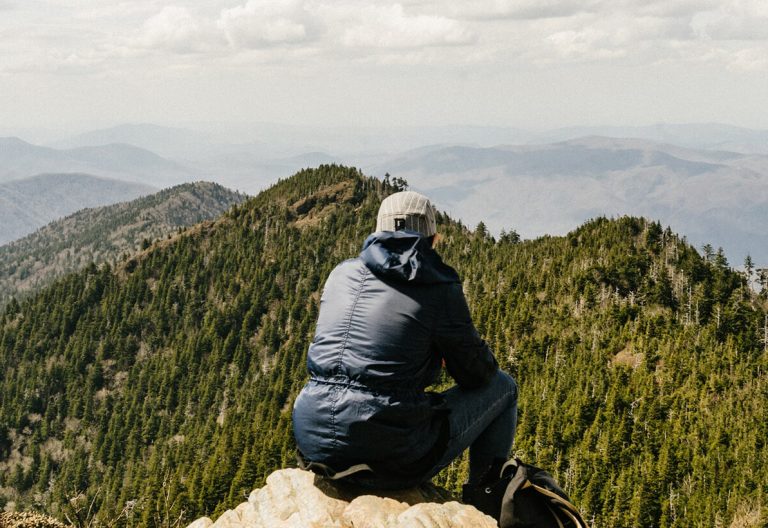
[81, 516]
[164, 518]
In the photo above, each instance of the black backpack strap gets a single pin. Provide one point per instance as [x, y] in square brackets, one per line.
[560, 505]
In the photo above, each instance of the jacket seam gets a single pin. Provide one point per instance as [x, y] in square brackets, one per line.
[343, 347]
[334, 433]
[340, 362]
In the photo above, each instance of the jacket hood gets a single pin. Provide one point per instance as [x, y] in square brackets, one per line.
[405, 256]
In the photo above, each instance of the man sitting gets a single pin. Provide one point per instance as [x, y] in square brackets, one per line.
[389, 319]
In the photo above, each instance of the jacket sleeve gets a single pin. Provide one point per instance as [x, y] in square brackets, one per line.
[467, 357]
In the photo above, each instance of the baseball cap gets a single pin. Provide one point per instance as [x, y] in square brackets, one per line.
[407, 210]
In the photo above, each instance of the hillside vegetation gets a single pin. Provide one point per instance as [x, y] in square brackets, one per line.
[29, 204]
[104, 234]
[162, 387]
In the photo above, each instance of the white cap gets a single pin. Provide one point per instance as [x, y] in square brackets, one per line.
[407, 210]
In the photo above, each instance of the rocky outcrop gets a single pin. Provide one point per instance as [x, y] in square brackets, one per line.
[294, 498]
[28, 520]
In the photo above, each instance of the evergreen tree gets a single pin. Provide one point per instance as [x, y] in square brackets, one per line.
[169, 378]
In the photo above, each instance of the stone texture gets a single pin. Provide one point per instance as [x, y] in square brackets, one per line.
[368, 511]
[294, 498]
[29, 520]
[202, 522]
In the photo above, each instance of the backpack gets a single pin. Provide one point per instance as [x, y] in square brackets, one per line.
[530, 498]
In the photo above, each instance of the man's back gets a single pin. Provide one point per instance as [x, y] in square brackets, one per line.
[387, 320]
[375, 332]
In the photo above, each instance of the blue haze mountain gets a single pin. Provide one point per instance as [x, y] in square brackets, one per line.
[710, 136]
[169, 142]
[30, 203]
[711, 196]
[19, 159]
[710, 187]
[249, 162]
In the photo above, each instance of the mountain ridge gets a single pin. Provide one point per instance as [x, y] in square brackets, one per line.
[641, 368]
[20, 159]
[30, 203]
[103, 234]
[712, 197]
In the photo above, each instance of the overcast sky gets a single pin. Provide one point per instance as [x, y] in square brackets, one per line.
[520, 63]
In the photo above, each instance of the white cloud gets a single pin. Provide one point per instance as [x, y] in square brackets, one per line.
[541, 9]
[734, 20]
[417, 31]
[127, 12]
[749, 60]
[175, 29]
[494, 50]
[592, 37]
[262, 23]
[588, 43]
[522, 9]
[385, 27]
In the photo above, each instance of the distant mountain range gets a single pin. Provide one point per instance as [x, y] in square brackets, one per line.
[710, 136]
[30, 203]
[274, 141]
[103, 234]
[711, 196]
[19, 159]
[705, 180]
[250, 163]
[170, 142]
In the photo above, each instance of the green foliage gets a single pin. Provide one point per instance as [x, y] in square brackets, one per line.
[102, 234]
[166, 382]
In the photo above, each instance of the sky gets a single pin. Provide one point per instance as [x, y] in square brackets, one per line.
[517, 63]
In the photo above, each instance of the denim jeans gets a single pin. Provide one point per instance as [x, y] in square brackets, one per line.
[482, 419]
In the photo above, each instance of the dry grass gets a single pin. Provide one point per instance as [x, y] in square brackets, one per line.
[750, 516]
[628, 357]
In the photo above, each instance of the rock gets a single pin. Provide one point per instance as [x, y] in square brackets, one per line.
[368, 511]
[29, 520]
[202, 522]
[294, 498]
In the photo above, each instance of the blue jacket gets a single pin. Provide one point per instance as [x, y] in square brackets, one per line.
[387, 321]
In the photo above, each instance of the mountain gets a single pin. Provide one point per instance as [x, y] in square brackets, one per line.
[27, 204]
[250, 165]
[712, 197]
[19, 159]
[169, 142]
[162, 387]
[275, 140]
[711, 136]
[103, 234]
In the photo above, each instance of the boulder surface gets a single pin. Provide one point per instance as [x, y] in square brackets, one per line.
[29, 520]
[294, 498]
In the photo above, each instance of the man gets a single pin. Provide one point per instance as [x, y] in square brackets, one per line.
[389, 319]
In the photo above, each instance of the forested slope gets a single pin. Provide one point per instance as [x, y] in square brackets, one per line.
[30, 203]
[103, 234]
[640, 364]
